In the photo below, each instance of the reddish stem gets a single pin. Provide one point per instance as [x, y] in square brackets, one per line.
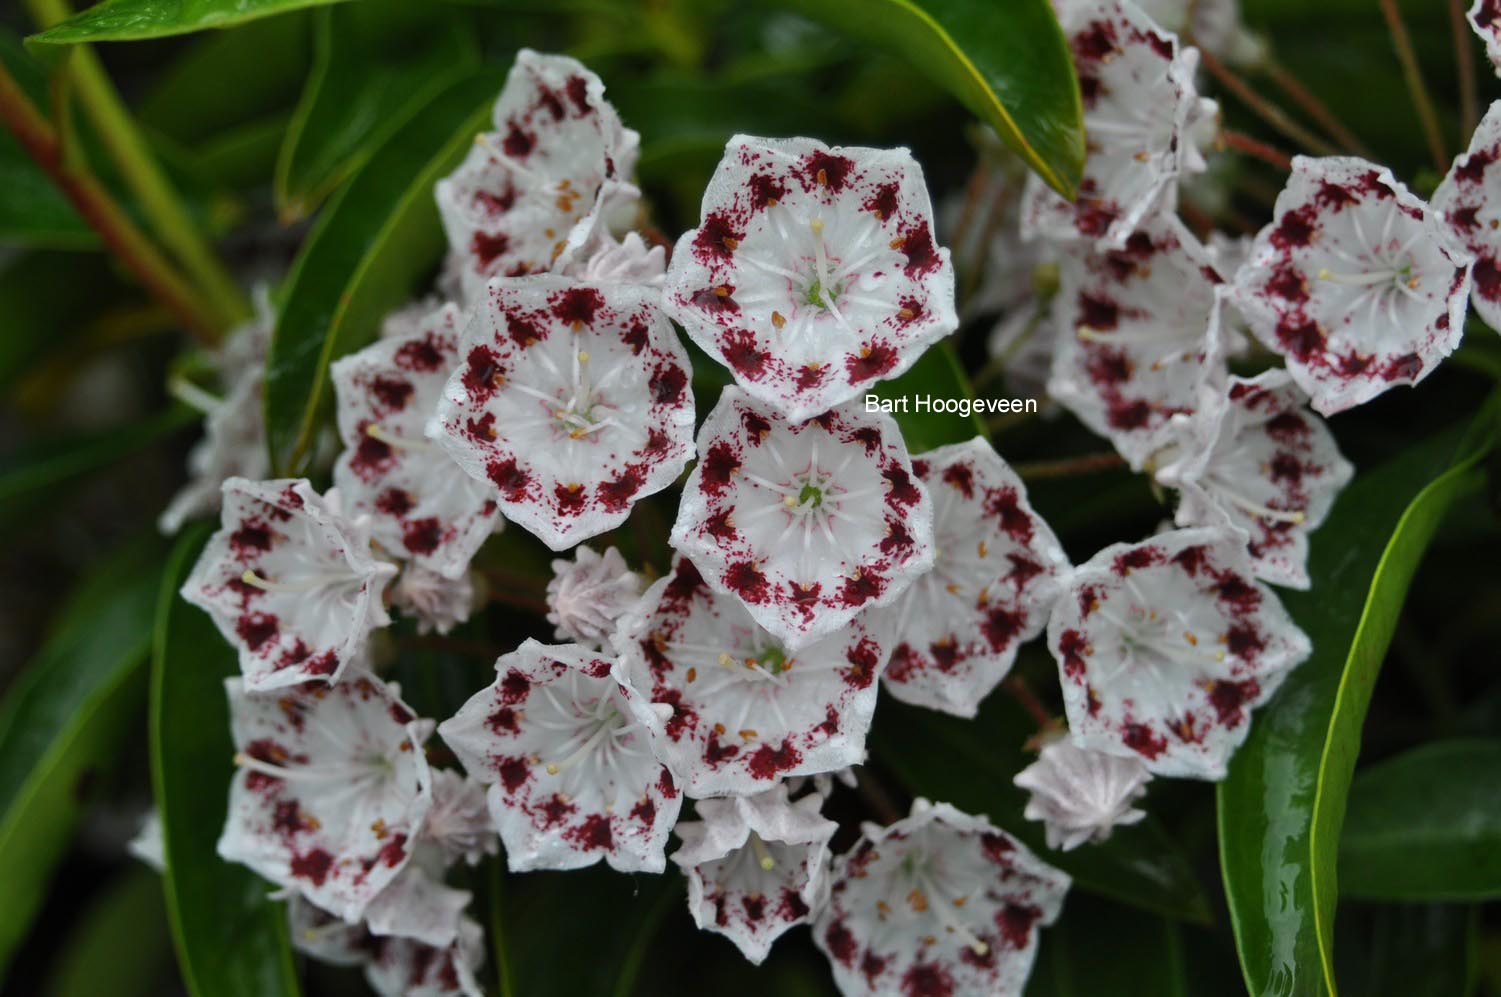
[1274, 116]
[1069, 467]
[1020, 691]
[1464, 61]
[1315, 108]
[1256, 149]
[1413, 74]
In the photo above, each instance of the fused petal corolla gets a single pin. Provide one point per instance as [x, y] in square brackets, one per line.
[1485, 18]
[1470, 201]
[589, 593]
[1081, 795]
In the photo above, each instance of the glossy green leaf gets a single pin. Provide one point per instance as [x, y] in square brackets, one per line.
[919, 397]
[374, 64]
[969, 763]
[64, 721]
[1101, 948]
[231, 939]
[1426, 825]
[1006, 61]
[120, 944]
[136, 20]
[371, 245]
[1281, 807]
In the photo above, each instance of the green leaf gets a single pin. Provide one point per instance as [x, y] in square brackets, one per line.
[64, 720]
[969, 763]
[1407, 950]
[375, 63]
[1004, 59]
[1425, 825]
[120, 945]
[1102, 948]
[371, 245]
[136, 20]
[231, 939]
[935, 377]
[1281, 807]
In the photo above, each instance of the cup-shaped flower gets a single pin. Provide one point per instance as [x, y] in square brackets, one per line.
[996, 573]
[937, 903]
[1139, 107]
[813, 273]
[571, 772]
[756, 866]
[607, 260]
[1138, 334]
[1469, 199]
[436, 603]
[1485, 18]
[1081, 795]
[589, 593]
[417, 905]
[1356, 282]
[421, 504]
[459, 824]
[290, 582]
[1254, 458]
[806, 523]
[532, 193]
[331, 788]
[406, 967]
[732, 709]
[1213, 25]
[573, 399]
[1165, 646]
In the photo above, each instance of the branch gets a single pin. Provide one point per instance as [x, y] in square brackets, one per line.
[1402, 41]
[1274, 116]
[1071, 467]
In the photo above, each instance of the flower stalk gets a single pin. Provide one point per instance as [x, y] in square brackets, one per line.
[1413, 75]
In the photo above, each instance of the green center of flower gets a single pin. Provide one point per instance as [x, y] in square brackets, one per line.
[815, 294]
[773, 660]
[810, 495]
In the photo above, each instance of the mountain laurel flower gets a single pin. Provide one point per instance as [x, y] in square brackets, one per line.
[1139, 104]
[331, 788]
[407, 967]
[321, 936]
[630, 260]
[756, 866]
[995, 576]
[1255, 459]
[732, 708]
[573, 399]
[1470, 201]
[289, 582]
[418, 906]
[233, 446]
[534, 192]
[1138, 334]
[1081, 795]
[571, 773]
[1214, 25]
[1485, 18]
[937, 903]
[438, 604]
[813, 273]
[422, 506]
[1356, 282]
[806, 523]
[589, 593]
[1164, 647]
[459, 824]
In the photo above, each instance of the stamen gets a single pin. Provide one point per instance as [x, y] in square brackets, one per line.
[376, 431]
[309, 584]
[606, 728]
[763, 854]
[193, 396]
[1360, 279]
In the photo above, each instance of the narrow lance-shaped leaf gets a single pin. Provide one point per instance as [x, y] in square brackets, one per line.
[137, 20]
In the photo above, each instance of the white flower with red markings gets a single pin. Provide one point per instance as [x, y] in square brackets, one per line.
[534, 192]
[320, 935]
[813, 273]
[1485, 18]
[290, 582]
[438, 604]
[1139, 108]
[732, 708]
[589, 593]
[1213, 25]
[459, 824]
[1081, 795]
[572, 776]
[1164, 647]
[406, 967]
[996, 573]
[1254, 458]
[806, 523]
[421, 505]
[416, 905]
[331, 788]
[1138, 335]
[1469, 199]
[572, 399]
[937, 903]
[756, 866]
[1356, 282]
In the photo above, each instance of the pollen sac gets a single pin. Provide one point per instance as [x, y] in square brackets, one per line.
[937, 903]
[331, 790]
[1485, 18]
[572, 399]
[813, 273]
[533, 192]
[1164, 647]
[756, 866]
[995, 576]
[731, 708]
[571, 773]
[1138, 335]
[289, 582]
[1144, 120]
[806, 523]
[1469, 199]
[1255, 459]
[1355, 282]
[422, 506]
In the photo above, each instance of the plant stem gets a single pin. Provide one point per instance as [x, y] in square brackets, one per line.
[1411, 72]
[1019, 690]
[1249, 146]
[1274, 116]
[875, 796]
[139, 170]
[1464, 62]
[103, 215]
[1069, 467]
[1315, 108]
